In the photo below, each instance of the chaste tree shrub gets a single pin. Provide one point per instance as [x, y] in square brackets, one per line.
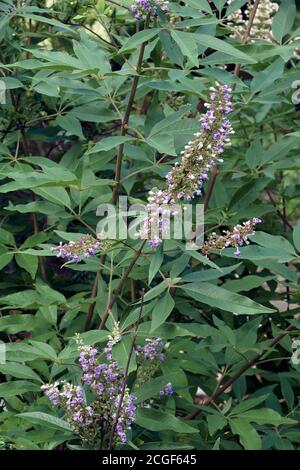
[148, 341]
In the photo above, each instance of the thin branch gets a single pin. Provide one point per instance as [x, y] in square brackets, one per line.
[124, 126]
[239, 373]
[90, 312]
[282, 216]
[127, 116]
[126, 374]
[237, 69]
[120, 286]
[214, 174]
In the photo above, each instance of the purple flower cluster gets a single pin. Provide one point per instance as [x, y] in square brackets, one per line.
[106, 381]
[157, 224]
[71, 398]
[167, 391]
[186, 179]
[152, 350]
[74, 251]
[235, 238]
[149, 357]
[141, 8]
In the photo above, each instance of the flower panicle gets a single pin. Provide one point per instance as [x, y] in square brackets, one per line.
[106, 382]
[185, 180]
[105, 379]
[262, 23]
[74, 251]
[152, 350]
[200, 155]
[234, 238]
[141, 8]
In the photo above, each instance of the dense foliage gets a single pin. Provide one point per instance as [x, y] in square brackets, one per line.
[123, 343]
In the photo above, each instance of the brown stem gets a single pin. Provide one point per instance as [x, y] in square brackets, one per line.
[91, 308]
[40, 258]
[282, 216]
[126, 117]
[118, 290]
[237, 69]
[124, 126]
[214, 174]
[126, 374]
[239, 373]
[26, 150]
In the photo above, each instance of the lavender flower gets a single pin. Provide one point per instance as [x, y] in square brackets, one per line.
[149, 357]
[186, 179]
[74, 251]
[235, 238]
[151, 349]
[141, 8]
[167, 391]
[106, 381]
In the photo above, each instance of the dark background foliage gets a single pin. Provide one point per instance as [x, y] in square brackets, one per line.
[68, 69]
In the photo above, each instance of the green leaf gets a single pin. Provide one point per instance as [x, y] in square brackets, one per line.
[155, 264]
[219, 297]
[215, 423]
[284, 19]
[121, 353]
[5, 259]
[46, 420]
[287, 391]
[28, 262]
[296, 236]
[139, 38]
[158, 420]
[13, 324]
[49, 313]
[161, 311]
[222, 46]
[71, 124]
[17, 387]
[152, 387]
[6, 237]
[266, 416]
[247, 283]
[275, 242]
[54, 194]
[155, 291]
[19, 370]
[45, 350]
[187, 45]
[109, 143]
[52, 22]
[248, 404]
[249, 437]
